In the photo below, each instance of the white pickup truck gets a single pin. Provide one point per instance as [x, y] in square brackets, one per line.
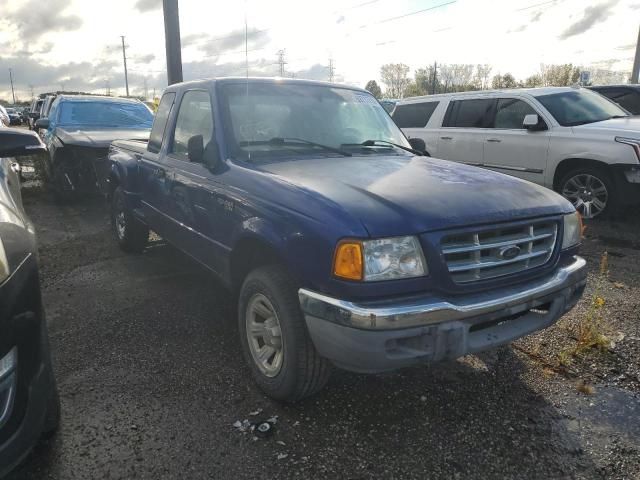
[572, 140]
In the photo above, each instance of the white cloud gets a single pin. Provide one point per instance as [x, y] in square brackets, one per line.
[358, 35]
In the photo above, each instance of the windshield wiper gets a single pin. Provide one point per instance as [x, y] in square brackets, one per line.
[372, 143]
[618, 116]
[294, 141]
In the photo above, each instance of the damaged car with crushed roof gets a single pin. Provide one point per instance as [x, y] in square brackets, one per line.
[78, 132]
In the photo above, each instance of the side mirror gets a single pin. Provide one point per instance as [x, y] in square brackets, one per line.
[533, 122]
[17, 143]
[195, 149]
[42, 123]
[418, 144]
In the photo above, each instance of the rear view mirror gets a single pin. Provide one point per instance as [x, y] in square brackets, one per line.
[418, 144]
[195, 149]
[42, 123]
[533, 122]
[17, 143]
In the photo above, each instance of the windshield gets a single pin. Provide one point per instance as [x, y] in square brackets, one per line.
[329, 116]
[105, 114]
[579, 107]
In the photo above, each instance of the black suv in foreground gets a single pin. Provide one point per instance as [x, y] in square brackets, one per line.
[29, 404]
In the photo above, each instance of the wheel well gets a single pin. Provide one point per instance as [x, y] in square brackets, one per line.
[113, 184]
[248, 255]
[569, 164]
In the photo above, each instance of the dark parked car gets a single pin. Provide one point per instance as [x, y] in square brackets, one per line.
[78, 132]
[14, 116]
[34, 112]
[627, 96]
[346, 245]
[29, 405]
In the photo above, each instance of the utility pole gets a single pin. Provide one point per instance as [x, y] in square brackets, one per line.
[332, 70]
[124, 58]
[281, 61]
[636, 62]
[433, 81]
[107, 88]
[13, 93]
[32, 92]
[172, 41]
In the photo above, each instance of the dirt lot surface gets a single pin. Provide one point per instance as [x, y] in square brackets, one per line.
[152, 380]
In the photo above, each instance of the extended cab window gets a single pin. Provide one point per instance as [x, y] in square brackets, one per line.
[472, 113]
[510, 113]
[160, 122]
[414, 115]
[195, 117]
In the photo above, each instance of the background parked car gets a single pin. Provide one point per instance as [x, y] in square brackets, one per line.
[4, 117]
[14, 116]
[78, 131]
[572, 140]
[29, 404]
[627, 96]
[34, 112]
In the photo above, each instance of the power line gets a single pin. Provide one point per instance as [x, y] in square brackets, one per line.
[414, 13]
[13, 93]
[281, 62]
[332, 70]
[124, 58]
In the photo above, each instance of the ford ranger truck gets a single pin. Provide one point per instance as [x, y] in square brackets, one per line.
[345, 245]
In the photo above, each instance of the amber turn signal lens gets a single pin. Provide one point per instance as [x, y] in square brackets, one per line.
[348, 260]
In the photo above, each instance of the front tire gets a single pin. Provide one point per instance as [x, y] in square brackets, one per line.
[274, 337]
[131, 234]
[591, 191]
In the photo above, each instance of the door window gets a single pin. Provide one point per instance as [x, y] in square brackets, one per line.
[160, 122]
[413, 115]
[472, 113]
[195, 117]
[510, 113]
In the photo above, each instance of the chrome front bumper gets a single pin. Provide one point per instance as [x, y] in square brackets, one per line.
[384, 335]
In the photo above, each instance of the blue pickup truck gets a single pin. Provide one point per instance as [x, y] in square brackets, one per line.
[345, 245]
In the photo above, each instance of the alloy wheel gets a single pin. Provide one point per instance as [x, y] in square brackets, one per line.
[588, 194]
[264, 335]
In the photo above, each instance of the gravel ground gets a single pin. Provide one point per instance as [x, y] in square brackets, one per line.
[152, 379]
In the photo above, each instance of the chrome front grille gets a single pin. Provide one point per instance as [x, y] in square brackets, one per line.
[494, 252]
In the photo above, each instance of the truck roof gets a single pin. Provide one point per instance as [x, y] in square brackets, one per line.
[536, 92]
[100, 98]
[257, 80]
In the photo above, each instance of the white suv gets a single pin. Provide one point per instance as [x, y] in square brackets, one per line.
[572, 140]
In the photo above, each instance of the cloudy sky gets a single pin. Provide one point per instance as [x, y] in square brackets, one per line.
[75, 44]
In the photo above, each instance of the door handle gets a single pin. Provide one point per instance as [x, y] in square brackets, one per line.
[160, 173]
[494, 140]
[446, 138]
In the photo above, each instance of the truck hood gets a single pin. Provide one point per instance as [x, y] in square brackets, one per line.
[398, 195]
[99, 138]
[615, 126]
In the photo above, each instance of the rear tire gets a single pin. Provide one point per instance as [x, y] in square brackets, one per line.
[131, 234]
[300, 371]
[591, 190]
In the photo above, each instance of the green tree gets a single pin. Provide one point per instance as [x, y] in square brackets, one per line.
[559, 75]
[504, 81]
[373, 87]
[394, 76]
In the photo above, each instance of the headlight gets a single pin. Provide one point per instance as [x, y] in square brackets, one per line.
[572, 230]
[382, 259]
[4, 264]
[632, 142]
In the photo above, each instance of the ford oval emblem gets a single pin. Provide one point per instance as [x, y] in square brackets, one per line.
[509, 252]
